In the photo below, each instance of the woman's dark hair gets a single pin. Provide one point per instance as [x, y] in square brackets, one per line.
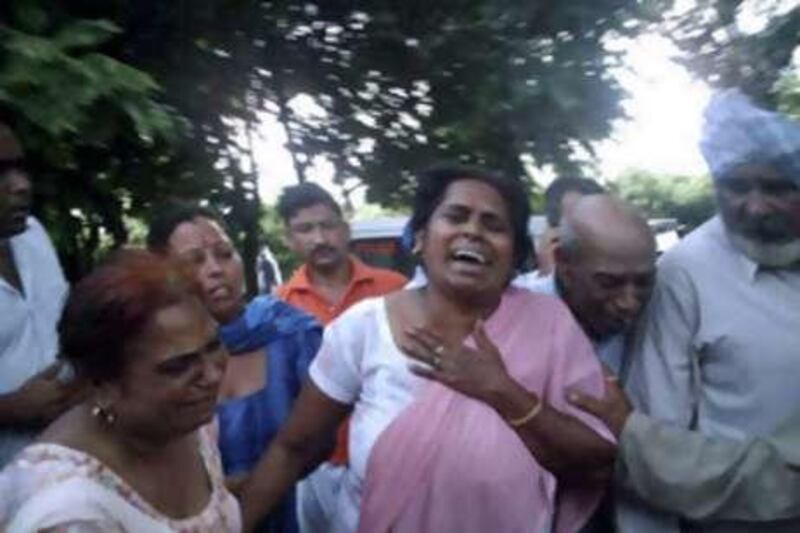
[172, 215]
[433, 183]
[110, 307]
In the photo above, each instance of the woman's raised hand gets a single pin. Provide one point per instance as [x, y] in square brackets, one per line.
[477, 372]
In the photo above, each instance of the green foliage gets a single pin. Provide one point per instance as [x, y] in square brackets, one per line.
[690, 199]
[400, 85]
[272, 230]
[56, 84]
[93, 131]
[122, 104]
[480, 82]
[788, 91]
[721, 53]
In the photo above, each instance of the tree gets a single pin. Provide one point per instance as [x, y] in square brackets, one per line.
[273, 231]
[788, 92]
[107, 142]
[401, 84]
[90, 125]
[689, 199]
[720, 50]
[487, 82]
[201, 53]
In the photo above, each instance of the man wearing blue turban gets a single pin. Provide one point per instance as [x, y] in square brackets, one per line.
[716, 352]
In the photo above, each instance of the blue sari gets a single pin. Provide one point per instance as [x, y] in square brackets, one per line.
[248, 424]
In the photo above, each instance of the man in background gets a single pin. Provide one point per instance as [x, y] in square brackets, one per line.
[32, 291]
[559, 197]
[268, 272]
[330, 279]
[604, 271]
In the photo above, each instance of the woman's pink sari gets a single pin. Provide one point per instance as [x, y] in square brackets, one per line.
[450, 463]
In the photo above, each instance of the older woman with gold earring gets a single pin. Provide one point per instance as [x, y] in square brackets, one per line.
[138, 454]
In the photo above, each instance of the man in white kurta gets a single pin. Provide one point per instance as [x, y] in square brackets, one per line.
[32, 291]
[717, 350]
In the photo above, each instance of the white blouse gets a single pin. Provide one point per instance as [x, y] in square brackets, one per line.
[359, 363]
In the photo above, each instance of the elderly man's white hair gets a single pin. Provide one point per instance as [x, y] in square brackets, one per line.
[599, 215]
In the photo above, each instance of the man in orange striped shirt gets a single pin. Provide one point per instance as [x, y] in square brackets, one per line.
[329, 281]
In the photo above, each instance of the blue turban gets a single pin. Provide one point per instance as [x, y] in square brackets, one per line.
[736, 132]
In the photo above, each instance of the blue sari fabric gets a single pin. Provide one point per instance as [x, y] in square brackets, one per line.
[248, 424]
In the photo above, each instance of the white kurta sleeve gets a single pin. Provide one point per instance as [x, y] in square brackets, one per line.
[336, 370]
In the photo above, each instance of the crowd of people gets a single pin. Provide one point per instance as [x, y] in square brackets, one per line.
[609, 390]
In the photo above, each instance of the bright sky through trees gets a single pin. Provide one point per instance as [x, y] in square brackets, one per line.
[661, 132]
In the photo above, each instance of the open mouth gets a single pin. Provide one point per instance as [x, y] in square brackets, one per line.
[471, 257]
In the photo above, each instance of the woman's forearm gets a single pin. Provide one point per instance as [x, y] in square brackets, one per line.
[561, 443]
[302, 443]
[276, 472]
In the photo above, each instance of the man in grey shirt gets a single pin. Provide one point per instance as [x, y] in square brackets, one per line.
[716, 352]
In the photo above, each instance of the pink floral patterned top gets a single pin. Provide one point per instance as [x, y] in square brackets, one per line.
[50, 487]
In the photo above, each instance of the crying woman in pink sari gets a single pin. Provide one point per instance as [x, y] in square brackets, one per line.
[457, 389]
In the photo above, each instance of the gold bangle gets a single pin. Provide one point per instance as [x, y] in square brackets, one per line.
[527, 417]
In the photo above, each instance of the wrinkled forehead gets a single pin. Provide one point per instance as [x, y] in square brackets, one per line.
[197, 234]
[620, 264]
[622, 252]
[762, 172]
